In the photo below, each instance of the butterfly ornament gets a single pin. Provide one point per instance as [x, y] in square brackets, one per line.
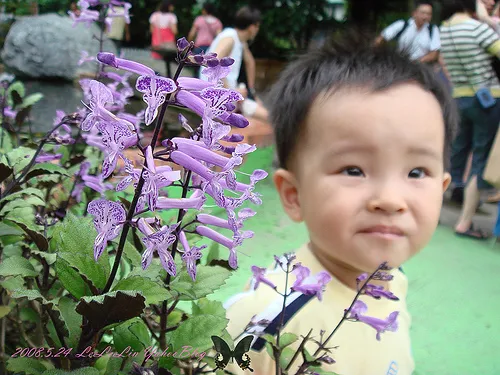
[224, 353]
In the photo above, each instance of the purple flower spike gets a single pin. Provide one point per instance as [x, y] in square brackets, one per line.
[215, 71]
[310, 286]
[259, 277]
[190, 255]
[160, 242]
[219, 238]
[226, 61]
[108, 220]
[100, 95]
[380, 325]
[129, 65]
[43, 157]
[193, 84]
[196, 201]
[154, 88]
[235, 119]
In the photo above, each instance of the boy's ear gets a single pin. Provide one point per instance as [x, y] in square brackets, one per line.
[446, 181]
[286, 185]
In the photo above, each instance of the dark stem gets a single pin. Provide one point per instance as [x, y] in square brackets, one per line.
[138, 190]
[346, 312]
[296, 354]
[163, 325]
[26, 169]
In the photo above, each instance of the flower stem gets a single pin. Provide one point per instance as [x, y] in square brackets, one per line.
[26, 169]
[277, 353]
[138, 190]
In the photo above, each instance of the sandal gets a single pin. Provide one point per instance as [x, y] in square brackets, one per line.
[476, 234]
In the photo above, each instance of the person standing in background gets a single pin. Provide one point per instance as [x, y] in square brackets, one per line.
[119, 28]
[163, 27]
[205, 27]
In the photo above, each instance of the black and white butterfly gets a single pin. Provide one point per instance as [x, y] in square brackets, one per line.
[224, 352]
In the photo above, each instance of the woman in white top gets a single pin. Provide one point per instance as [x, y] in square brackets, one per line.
[163, 27]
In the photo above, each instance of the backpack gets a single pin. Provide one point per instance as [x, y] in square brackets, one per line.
[405, 26]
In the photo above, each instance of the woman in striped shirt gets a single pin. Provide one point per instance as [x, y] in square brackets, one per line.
[467, 48]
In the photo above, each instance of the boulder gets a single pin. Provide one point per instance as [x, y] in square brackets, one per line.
[50, 46]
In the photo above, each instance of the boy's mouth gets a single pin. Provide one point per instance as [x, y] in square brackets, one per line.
[384, 231]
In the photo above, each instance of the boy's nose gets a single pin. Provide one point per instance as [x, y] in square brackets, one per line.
[387, 200]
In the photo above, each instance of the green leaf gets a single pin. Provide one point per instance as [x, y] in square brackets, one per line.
[74, 239]
[29, 227]
[28, 366]
[213, 252]
[7, 144]
[152, 291]
[46, 168]
[269, 338]
[132, 254]
[32, 294]
[31, 99]
[133, 333]
[73, 320]
[87, 267]
[27, 202]
[71, 279]
[49, 257]
[80, 371]
[287, 339]
[196, 332]
[4, 311]
[16, 86]
[207, 307]
[21, 195]
[286, 356]
[9, 230]
[110, 308]
[20, 157]
[11, 284]
[208, 280]
[17, 265]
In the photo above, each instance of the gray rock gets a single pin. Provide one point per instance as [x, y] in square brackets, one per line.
[48, 46]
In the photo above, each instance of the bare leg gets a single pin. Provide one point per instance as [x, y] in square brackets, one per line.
[471, 200]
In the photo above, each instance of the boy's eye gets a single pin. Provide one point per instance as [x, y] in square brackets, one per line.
[352, 171]
[417, 173]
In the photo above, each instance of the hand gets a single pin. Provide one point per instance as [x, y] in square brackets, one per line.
[243, 91]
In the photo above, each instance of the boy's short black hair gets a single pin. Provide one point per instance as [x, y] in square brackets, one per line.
[349, 61]
[246, 16]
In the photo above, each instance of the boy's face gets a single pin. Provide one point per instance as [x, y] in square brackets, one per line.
[367, 176]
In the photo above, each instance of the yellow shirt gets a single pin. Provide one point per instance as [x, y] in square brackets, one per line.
[358, 352]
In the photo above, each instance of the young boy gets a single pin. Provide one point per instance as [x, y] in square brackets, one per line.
[362, 136]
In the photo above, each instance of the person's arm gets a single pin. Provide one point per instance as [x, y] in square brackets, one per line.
[173, 25]
[151, 22]
[127, 32]
[390, 32]
[430, 57]
[434, 47]
[249, 68]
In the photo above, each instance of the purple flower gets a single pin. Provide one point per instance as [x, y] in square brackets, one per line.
[86, 16]
[221, 239]
[131, 66]
[378, 291]
[134, 174]
[108, 221]
[93, 182]
[154, 89]
[259, 277]
[190, 255]
[357, 313]
[182, 44]
[310, 286]
[99, 96]
[116, 137]
[156, 178]
[45, 157]
[217, 69]
[160, 241]
[196, 201]
[125, 15]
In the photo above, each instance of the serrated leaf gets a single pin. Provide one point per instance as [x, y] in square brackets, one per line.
[11, 284]
[21, 194]
[28, 366]
[152, 291]
[76, 236]
[24, 216]
[46, 168]
[32, 294]
[31, 99]
[87, 267]
[110, 308]
[17, 86]
[207, 307]
[287, 338]
[196, 332]
[7, 144]
[132, 254]
[17, 265]
[73, 320]
[208, 280]
[80, 371]
[17, 203]
[50, 258]
[133, 333]
[71, 279]
[20, 157]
